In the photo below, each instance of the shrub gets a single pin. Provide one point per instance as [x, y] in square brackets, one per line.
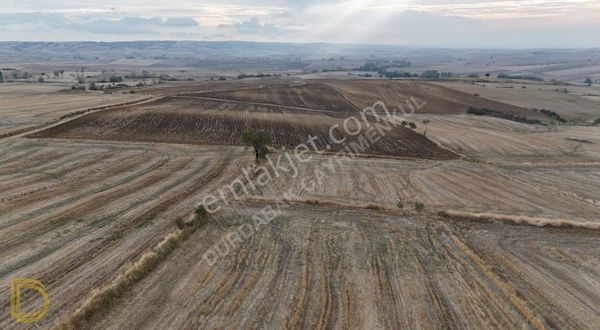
[498, 114]
[412, 125]
[374, 207]
[180, 223]
[201, 212]
[400, 204]
[553, 115]
[419, 207]
[506, 76]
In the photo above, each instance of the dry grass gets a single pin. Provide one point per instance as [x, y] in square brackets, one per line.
[506, 288]
[521, 220]
[101, 299]
[327, 202]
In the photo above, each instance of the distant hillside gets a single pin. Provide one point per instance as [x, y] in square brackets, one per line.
[196, 49]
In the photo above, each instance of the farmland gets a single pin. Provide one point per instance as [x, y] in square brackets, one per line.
[25, 107]
[201, 121]
[74, 210]
[577, 103]
[438, 100]
[369, 270]
[89, 202]
[315, 96]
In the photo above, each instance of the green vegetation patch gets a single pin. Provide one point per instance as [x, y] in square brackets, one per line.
[502, 115]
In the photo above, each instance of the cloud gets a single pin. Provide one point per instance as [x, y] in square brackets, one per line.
[254, 26]
[180, 21]
[105, 26]
[30, 18]
[141, 20]
[125, 25]
[132, 25]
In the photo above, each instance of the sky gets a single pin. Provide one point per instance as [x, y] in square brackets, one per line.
[427, 23]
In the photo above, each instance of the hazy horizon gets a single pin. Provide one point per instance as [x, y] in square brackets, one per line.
[311, 43]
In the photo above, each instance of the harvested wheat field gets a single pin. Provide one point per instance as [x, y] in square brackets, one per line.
[577, 103]
[371, 270]
[74, 216]
[23, 108]
[461, 222]
[558, 191]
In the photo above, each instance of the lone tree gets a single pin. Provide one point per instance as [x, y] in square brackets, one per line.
[425, 122]
[588, 81]
[259, 141]
[1, 77]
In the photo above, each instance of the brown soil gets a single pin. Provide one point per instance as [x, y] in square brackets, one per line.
[187, 120]
[439, 99]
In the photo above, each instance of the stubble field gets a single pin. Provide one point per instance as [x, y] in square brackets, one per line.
[89, 199]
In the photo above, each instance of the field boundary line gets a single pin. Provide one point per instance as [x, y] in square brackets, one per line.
[108, 295]
[520, 220]
[257, 103]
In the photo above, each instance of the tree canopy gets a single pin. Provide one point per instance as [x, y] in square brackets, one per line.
[259, 141]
